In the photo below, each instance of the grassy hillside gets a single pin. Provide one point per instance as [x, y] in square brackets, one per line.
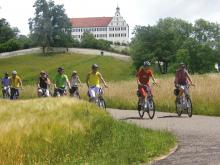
[29, 66]
[66, 131]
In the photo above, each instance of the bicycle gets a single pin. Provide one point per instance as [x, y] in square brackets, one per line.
[6, 92]
[184, 102]
[147, 104]
[42, 92]
[14, 93]
[59, 92]
[99, 99]
[74, 92]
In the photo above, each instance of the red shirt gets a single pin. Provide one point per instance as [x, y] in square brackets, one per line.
[181, 77]
[144, 76]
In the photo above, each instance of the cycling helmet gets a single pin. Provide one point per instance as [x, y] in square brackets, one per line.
[146, 63]
[42, 72]
[95, 66]
[74, 72]
[60, 69]
[14, 72]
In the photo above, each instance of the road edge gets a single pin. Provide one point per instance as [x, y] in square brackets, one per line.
[171, 151]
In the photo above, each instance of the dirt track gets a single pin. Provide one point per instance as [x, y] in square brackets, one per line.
[198, 137]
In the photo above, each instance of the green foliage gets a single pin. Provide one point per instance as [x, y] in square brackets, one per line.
[10, 45]
[89, 41]
[50, 26]
[67, 131]
[6, 31]
[173, 40]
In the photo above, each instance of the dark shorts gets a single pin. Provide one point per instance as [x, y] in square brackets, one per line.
[14, 93]
[73, 90]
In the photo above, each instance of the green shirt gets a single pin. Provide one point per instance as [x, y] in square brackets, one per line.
[60, 80]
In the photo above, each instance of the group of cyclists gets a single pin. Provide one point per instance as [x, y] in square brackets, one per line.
[61, 82]
[182, 82]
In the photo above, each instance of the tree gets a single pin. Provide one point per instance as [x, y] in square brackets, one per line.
[88, 40]
[6, 31]
[50, 26]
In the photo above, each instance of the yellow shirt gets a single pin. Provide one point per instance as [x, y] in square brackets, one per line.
[15, 82]
[94, 79]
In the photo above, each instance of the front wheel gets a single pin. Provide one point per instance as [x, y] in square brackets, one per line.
[151, 108]
[101, 103]
[189, 107]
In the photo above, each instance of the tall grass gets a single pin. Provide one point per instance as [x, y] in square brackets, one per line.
[68, 131]
[205, 95]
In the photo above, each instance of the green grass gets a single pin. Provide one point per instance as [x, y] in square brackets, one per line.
[29, 66]
[68, 131]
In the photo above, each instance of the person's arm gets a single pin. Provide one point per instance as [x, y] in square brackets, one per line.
[38, 83]
[2, 82]
[78, 80]
[176, 79]
[20, 82]
[189, 78]
[68, 82]
[103, 81]
[87, 80]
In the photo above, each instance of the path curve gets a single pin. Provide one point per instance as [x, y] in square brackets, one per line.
[198, 137]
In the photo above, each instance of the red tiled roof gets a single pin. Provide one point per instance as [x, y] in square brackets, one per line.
[90, 22]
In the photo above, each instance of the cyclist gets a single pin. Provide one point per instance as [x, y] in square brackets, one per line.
[93, 82]
[61, 80]
[16, 83]
[74, 83]
[43, 84]
[182, 80]
[5, 81]
[143, 76]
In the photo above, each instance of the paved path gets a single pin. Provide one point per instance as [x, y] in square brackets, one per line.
[198, 137]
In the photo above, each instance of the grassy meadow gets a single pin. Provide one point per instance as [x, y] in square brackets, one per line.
[68, 131]
[29, 66]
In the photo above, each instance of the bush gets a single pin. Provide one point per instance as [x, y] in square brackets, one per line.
[10, 45]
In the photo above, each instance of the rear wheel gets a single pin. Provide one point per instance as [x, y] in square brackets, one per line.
[151, 108]
[140, 109]
[178, 108]
[189, 107]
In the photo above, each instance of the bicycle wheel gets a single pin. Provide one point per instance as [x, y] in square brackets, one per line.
[140, 110]
[101, 103]
[178, 108]
[151, 108]
[189, 107]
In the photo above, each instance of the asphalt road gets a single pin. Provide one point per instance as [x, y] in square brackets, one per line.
[198, 137]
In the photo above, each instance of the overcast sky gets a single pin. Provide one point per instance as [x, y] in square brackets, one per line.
[135, 12]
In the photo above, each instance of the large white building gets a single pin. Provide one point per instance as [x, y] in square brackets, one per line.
[113, 29]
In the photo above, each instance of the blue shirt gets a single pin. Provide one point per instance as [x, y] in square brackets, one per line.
[5, 81]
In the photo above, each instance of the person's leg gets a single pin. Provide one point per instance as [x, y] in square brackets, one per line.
[92, 94]
[12, 93]
[47, 92]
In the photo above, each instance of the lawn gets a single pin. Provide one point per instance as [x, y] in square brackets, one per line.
[29, 66]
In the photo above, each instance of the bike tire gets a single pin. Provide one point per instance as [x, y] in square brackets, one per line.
[189, 107]
[102, 104]
[140, 109]
[178, 110]
[151, 109]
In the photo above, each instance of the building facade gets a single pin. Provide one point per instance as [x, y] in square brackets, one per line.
[114, 29]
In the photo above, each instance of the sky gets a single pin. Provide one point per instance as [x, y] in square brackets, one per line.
[135, 12]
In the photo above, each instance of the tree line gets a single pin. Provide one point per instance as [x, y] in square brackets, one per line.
[173, 40]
